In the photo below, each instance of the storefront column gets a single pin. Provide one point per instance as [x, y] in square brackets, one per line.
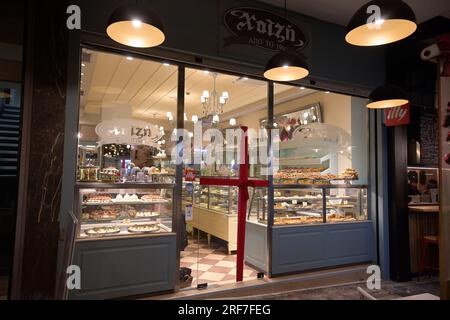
[270, 198]
[179, 225]
[41, 161]
[398, 204]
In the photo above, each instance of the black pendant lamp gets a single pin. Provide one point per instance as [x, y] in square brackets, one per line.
[136, 25]
[396, 21]
[287, 65]
[387, 96]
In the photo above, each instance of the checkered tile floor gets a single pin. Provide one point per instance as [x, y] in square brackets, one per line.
[213, 263]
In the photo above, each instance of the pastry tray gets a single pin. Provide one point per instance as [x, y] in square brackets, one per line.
[155, 229]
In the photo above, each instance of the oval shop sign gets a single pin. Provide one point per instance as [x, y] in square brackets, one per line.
[262, 29]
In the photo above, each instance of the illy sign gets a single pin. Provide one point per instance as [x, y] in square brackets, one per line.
[398, 116]
[262, 29]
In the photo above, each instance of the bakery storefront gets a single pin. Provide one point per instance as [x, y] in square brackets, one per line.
[144, 224]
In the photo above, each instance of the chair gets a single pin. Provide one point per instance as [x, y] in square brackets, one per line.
[427, 241]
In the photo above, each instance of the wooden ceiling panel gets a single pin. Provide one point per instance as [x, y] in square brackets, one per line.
[143, 75]
[151, 87]
[124, 73]
[157, 81]
[104, 70]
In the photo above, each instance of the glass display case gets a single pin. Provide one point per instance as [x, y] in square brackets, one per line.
[106, 210]
[316, 204]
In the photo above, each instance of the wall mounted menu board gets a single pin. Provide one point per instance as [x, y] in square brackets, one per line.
[428, 142]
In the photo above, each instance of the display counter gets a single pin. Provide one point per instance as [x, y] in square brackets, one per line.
[125, 245]
[315, 226]
[215, 211]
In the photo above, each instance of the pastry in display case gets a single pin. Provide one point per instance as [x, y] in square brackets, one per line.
[294, 206]
[88, 173]
[312, 204]
[221, 199]
[121, 210]
[313, 176]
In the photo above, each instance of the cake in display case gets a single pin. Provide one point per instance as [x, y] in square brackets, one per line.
[316, 204]
[122, 210]
[220, 199]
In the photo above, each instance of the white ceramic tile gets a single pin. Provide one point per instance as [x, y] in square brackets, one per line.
[215, 257]
[226, 264]
[208, 251]
[212, 276]
[189, 260]
[201, 267]
[247, 273]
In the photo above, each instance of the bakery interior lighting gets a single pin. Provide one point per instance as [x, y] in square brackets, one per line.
[396, 21]
[387, 96]
[136, 25]
[287, 65]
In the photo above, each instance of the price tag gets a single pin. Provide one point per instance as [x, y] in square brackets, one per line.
[189, 213]
[294, 202]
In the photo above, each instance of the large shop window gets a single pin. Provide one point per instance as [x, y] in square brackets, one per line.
[217, 106]
[127, 115]
[321, 157]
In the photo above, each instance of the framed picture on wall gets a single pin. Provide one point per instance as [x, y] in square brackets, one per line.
[288, 123]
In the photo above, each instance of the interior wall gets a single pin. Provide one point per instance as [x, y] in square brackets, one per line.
[360, 138]
[336, 110]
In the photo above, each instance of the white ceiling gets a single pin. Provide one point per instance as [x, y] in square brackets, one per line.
[340, 11]
[150, 88]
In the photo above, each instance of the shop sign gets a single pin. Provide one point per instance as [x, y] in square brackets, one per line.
[397, 116]
[262, 29]
[189, 175]
[129, 131]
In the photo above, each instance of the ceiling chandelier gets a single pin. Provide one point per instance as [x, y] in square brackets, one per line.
[213, 103]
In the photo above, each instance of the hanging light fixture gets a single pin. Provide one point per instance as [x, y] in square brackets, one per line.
[212, 103]
[387, 96]
[381, 22]
[287, 65]
[136, 25]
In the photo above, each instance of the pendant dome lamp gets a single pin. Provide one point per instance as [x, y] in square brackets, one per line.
[387, 96]
[287, 65]
[136, 25]
[381, 22]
